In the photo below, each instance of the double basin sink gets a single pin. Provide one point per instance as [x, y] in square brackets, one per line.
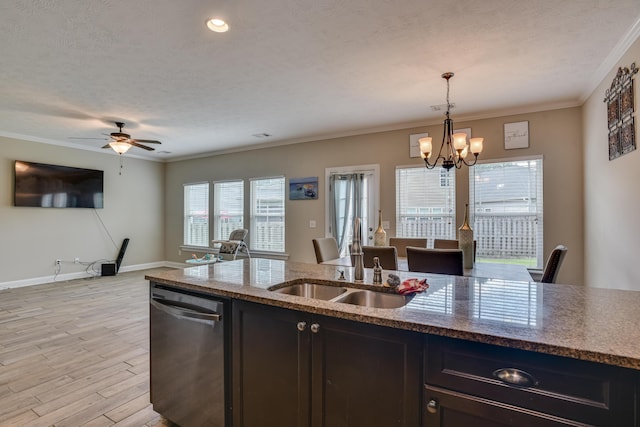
[361, 297]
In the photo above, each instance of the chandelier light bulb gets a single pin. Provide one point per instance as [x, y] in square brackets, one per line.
[425, 147]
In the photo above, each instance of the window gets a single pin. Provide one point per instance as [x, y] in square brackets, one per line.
[445, 177]
[267, 214]
[505, 200]
[196, 214]
[228, 208]
[425, 203]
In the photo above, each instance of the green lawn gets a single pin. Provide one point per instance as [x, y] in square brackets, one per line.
[527, 262]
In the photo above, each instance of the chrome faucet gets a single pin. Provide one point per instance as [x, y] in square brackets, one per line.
[356, 251]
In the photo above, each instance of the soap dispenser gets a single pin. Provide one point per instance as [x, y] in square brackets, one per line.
[377, 271]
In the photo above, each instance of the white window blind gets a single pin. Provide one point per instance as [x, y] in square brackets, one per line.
[425, 203]
[196, 214]
[228, 208]
[267, 214]
[506, 209]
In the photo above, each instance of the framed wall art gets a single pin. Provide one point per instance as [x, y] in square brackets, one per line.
[620, 108]
[516, 135]
[303, 188]
[414, 145]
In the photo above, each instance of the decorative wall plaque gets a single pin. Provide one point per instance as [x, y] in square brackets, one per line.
[620, 108]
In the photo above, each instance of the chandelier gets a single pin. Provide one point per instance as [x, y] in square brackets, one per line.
[454, 148]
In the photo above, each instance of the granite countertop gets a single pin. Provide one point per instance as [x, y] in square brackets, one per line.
[593, 324]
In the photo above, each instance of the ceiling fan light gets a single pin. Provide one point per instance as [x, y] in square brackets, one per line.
[120, 147]
[217, 25]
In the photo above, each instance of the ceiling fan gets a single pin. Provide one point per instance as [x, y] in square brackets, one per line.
[121, 142]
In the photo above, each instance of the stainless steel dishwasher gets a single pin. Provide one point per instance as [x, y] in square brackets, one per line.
[187, 339]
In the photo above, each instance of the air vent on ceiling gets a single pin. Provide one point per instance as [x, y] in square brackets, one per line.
[261, 135]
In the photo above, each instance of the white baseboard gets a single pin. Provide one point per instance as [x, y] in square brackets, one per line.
[81, 275]
[84, 275]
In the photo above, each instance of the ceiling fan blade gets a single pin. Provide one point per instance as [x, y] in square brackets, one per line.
[147, 141]
[144, 147]
[106, 146]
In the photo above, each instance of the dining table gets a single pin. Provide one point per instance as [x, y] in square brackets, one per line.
[492, 270]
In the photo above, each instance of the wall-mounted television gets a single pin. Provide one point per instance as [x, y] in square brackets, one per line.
[53, 186]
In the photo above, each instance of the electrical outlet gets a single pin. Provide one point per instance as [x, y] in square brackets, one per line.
[58, 262]
[76, 260]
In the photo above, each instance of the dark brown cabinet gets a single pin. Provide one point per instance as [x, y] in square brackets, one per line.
[296, 369]
[478, 384]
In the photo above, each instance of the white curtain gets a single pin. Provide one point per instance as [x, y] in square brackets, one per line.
[346, 203]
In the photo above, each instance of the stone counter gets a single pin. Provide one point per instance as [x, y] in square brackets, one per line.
[591, 324]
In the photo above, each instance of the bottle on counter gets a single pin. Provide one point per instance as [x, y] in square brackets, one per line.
[377, 271]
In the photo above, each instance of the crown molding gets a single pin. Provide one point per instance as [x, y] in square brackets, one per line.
[612, 59]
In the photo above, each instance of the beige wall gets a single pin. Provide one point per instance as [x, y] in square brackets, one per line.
[612, 199]
[32, 238]
[554, 134]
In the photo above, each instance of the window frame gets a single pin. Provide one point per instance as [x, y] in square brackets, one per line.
[432, 217]
[254, 240]
[188, 213]
[217, 232]
[539, 212]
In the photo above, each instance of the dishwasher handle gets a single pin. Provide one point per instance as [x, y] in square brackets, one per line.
[179, 311]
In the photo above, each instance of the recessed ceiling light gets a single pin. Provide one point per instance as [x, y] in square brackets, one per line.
[218, 25]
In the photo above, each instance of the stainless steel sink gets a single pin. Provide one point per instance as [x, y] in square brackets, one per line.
[312, 290]
[361, 297]
[374, 299]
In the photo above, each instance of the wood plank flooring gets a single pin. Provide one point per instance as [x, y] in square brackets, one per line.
[76, 353]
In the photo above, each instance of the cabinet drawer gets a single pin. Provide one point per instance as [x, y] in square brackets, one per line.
[592, 393]
[444, 408]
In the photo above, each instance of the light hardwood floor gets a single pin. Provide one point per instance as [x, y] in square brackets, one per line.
[76, 353]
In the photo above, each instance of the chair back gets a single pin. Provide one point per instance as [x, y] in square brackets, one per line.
[326, 248]
[239, 234]
[401, 244]
[440, 261]
[452, 244]
[387, 254]
[552, 267]
[445, 244]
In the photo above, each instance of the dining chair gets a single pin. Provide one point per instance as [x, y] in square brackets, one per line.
[440, 261]
[387, 254]
[552, 267]
[452, 244]
[445, 244]
[401, 244]
[326, 248]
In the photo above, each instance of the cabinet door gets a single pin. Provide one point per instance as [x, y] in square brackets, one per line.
[270, 367]
[364, 375]
[445, 408]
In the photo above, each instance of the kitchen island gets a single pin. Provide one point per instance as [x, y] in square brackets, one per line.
[582, 344]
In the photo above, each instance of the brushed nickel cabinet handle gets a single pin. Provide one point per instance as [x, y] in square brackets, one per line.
[515, 377]
[302, 326]
[432, 406]
[315, 328]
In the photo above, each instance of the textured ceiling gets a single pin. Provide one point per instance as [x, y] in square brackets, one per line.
[295, 69]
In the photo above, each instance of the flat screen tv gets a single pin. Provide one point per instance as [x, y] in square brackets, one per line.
[53, 186]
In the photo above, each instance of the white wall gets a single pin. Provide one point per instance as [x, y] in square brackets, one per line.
[32, 238]
[612, 195]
